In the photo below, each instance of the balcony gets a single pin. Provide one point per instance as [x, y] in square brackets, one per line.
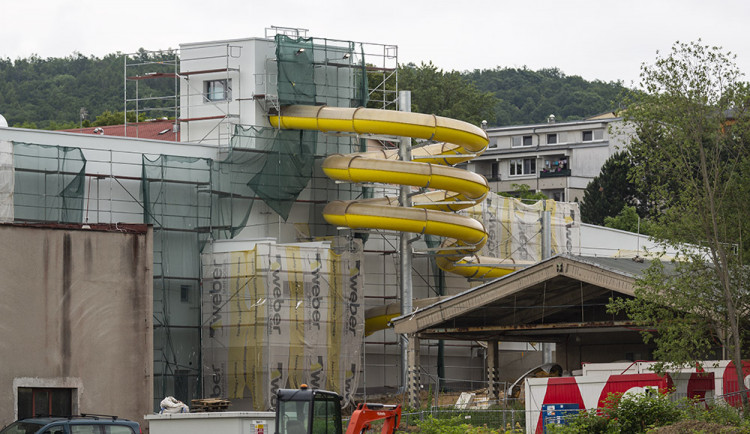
[554, 173]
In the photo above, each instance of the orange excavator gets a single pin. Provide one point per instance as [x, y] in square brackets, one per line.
[316, 411]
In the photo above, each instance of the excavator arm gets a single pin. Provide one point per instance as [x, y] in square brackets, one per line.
[365, 414]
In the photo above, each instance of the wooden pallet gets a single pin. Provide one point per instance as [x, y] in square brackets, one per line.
[209, 404]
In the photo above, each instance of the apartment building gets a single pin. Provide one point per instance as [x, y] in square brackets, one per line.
[558, 159]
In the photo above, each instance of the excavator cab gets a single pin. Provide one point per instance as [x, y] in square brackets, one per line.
[308, 411]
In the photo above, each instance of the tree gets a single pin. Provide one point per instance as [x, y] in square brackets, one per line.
[628, 220]
[116, 118]
[445, 94]
[523, 192]
[692, 132]
[607, 194]
[524, 96]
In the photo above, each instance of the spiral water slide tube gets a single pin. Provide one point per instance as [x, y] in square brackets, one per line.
[431, 168]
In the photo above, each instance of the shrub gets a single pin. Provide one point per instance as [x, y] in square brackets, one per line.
[453, 425]
[719, 413]
[624, 414]
[636, 413]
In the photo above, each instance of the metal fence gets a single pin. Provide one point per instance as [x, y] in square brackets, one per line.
[507, 419]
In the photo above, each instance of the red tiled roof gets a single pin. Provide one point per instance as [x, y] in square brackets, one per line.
[156, 130]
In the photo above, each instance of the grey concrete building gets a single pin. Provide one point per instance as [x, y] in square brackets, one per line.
[558, 159]
[76, 320]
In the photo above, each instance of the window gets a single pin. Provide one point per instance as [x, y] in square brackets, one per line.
[552, 139]
[34, 401]
[100, 429]
[495, 175]
[185, 293]
[217, 90]
[522, 166]
[519, 141]
[326, 410]
[591, 135]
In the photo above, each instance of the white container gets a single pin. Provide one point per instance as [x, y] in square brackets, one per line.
[224, 422]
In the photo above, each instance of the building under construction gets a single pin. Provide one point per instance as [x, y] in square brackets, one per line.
[258, 282]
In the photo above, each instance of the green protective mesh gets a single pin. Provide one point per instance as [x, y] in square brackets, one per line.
[176, 193]
[311, 71]
[315, 71]
[279, 163]
[296, 70]
[55, 196]
[216, 197]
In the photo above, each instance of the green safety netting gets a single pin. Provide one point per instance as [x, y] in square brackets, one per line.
[49, 183]
[192, 200]
[177, 202]
[217, 196]
[175, 192]
[296, 70]
[279, 163]
[311, 71]
[317, 71]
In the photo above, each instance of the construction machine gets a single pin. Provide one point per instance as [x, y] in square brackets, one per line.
[316, 411]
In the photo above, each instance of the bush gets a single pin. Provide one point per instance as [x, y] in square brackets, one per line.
[624, 414]
[719, 413]
[639, 413]
[457, 425]
[585, 422]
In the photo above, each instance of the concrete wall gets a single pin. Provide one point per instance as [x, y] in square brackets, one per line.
[244, 63]
[77, 313]
[584, 158]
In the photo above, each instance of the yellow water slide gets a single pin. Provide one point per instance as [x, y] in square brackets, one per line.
[432, 213]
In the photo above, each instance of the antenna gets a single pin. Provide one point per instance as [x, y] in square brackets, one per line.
[84, 114]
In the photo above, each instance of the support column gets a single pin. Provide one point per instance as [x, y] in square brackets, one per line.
[405, 256]
[414, 378]
[493, 370]
[546, 254]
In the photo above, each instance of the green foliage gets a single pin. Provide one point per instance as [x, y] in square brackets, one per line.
[588, 422]
[638, 413]
[454, 425]
[608, 194]
[628, 220]
[692, 156]
[501, 96]
[25, 124]
[523, 192]
[688, 327]
[720, 413]
[524, 96]
[49, 93]
[446, 94]
[116, 118]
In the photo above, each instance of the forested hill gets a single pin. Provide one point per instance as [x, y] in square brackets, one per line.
[525, 96]
[50, 93]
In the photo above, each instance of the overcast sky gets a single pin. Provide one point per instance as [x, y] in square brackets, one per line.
[604, 40]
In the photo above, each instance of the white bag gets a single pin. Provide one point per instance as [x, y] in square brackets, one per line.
[171, 405]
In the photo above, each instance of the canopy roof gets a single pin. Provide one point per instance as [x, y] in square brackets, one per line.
[561, 295]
